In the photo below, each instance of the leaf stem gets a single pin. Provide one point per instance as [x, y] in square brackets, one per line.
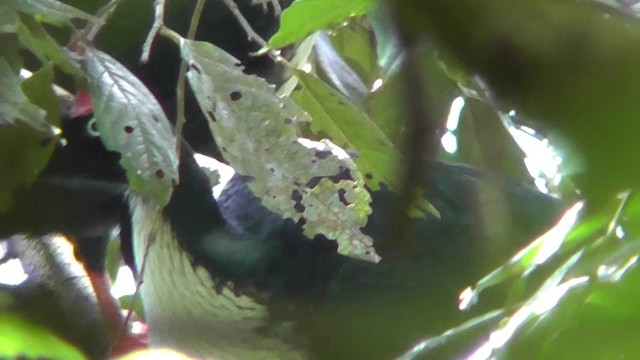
[180, 87]
[158, 24]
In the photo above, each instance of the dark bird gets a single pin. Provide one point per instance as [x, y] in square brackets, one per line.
[227, 278]
[80, 194]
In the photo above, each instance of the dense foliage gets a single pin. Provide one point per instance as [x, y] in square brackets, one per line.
[378, 79]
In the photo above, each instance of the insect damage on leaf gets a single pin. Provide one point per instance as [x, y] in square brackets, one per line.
[258, 134]
[131, 122]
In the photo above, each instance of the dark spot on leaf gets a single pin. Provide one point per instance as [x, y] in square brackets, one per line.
[367, 252]
[343, 174]
[302, 221]
[195, 68]
[288, 121]
[128, 129]
[297, 197]
[342, 197]
[45, 142]
[211, 115]
[272, 170]
[314, 161]
[159, 174]
[352, 153]
[235, 95]
[322, 154]
[314, 182]
[155, 118]
[369, 176]
[341, 103]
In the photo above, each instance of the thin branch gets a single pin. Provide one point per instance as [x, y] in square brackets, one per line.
[180, 87]
[139, 282]
[103, 14]
[251, 34]
[170, 34]
[158, 23]
[420, 146]
[277, 9]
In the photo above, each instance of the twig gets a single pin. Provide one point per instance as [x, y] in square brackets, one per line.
[103, 14]
[180, 87]
[140, 280]
[158, 23]
[251, 34]
[420, 146]
[277, 9]
[615, 221]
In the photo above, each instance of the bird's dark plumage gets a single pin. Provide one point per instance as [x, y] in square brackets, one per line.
[333, 306]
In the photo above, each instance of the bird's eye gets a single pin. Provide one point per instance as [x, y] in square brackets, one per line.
[92, 128]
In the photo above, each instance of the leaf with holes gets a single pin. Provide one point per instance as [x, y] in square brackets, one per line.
[131, 122]
[349, 127]
[258, 134]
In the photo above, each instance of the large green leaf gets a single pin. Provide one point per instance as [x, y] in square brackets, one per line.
[16, 107]
[258, 134]
[131, 122]
[34, 37]
[53, 11]
[349, 127]
[8, 17]
[20, 339]
[305, 17]
[561, 63]
[26, 138]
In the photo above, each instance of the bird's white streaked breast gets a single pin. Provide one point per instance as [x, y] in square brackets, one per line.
[182, 308]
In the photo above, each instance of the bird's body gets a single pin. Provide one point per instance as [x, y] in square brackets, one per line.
[227, 278]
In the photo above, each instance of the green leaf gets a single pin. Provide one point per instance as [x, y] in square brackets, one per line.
[39, 89]
[258, 134]
[388, 49]
[337, 72]
[485, 142]
[22, 339]
[131, 122]
[349, 127]
[16, 107]
[54, 11]
[305, 17]
[355, 43]
[26, 138]
[8, 17]
[563, 64]
[34, 37]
